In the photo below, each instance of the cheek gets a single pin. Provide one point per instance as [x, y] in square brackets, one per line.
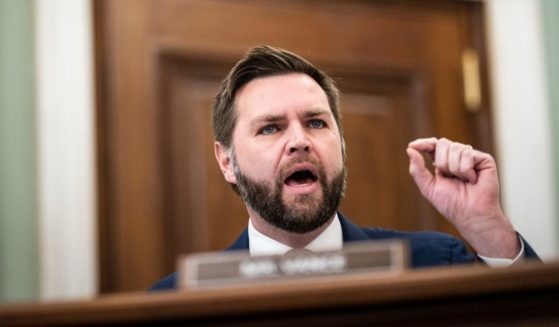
[333, 153]
[338, 165]
[257, 164]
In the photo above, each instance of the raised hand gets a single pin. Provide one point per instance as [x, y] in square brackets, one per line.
[465, 189]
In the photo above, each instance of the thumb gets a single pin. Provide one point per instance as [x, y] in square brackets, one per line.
[420, 174]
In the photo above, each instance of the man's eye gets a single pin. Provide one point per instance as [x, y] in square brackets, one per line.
[269, 129]
[316, 123]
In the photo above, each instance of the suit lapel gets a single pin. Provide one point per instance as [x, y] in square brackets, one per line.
[350, 231]
[241, 243]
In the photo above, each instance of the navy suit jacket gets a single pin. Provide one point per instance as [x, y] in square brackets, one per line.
[428, 249]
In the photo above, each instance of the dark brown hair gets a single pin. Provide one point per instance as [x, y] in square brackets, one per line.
[262, 61]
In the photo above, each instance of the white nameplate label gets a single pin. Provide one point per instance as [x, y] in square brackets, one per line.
[238, 268]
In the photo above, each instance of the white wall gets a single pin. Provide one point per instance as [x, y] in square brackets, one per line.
[522, 120]
[67, 239]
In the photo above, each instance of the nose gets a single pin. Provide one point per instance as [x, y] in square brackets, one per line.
[298, 141]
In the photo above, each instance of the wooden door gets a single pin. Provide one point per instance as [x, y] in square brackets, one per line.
[397, 63]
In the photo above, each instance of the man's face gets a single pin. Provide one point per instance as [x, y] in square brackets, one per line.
[287, 161]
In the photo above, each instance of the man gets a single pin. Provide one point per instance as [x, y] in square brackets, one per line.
[279, 143]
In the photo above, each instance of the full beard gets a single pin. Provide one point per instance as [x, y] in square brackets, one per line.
[306, 213]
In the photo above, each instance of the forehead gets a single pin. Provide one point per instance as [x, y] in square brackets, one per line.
[279, 94]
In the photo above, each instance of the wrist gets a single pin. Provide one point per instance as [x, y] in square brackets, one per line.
[492, 237]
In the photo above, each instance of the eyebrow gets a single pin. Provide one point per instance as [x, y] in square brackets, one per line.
[316, 112]
[275, 118]
[266, 119]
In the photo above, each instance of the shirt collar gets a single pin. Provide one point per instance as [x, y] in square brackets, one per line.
[330, 239]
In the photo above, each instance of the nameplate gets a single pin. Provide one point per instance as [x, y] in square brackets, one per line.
[238, 268]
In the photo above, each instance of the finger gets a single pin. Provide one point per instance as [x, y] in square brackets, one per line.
[483, 165]
[454, 154]
[425, 145]
[441, 157]
[468, 166]
[482, 161]
[420, 174]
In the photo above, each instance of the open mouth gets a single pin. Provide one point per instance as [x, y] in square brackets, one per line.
[300, 178]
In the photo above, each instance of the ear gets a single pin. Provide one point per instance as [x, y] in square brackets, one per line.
[225, 163]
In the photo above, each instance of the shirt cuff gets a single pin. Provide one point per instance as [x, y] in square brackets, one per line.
[501, 262]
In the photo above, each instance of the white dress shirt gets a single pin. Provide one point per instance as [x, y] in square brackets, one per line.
[330, 239]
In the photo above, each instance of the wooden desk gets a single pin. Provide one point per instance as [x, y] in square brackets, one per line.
[526, 295]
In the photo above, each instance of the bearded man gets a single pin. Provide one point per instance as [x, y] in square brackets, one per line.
[279, 143]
